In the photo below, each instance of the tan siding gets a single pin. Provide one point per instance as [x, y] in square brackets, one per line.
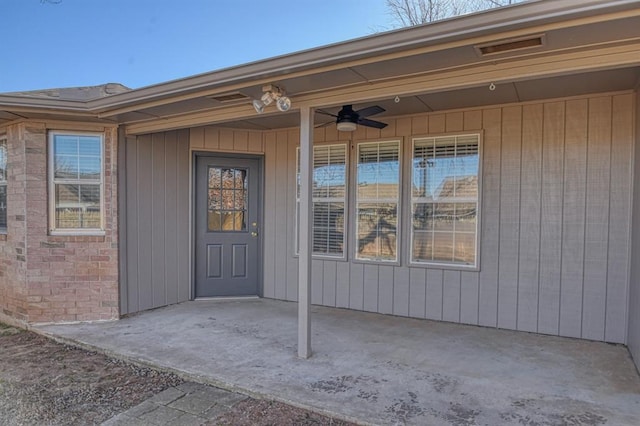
[573, 217]
[597, 218]
[619, 220]
[634, 291]
[292, 261]
[157, 220]
[551, 220]
[270, 213]
[530, 209]
[490, 229]
[509, 217]
[417, 292]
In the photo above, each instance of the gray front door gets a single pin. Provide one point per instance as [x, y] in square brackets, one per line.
[227, 226]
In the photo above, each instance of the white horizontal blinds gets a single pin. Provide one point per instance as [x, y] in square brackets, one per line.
[329, 199]
[77, 181]
[3, 185]
[329, 195]
[377, 200]
[445, 199]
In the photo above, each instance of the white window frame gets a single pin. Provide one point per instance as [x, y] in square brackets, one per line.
[442, 264]
[344, 200]
[52, 182]
[398, 201]
[3, 139]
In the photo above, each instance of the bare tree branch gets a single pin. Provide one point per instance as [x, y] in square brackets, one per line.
[406, 13]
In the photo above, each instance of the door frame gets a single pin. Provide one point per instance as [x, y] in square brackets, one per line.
[192, 214]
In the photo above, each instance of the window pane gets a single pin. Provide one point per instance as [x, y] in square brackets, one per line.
[328, 228]
[377, 227]
[90, 146]
[378, 171]
[378, 179]
[77, 206]
[3, 160]
[65, 145]
[66, 167]
[89, 168]
[445, 199]
[214, 177]
[226, 199]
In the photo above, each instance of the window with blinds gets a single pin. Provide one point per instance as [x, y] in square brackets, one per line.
[377, 200]
[329, 194]
[444, 200]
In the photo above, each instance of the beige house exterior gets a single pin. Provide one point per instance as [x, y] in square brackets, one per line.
[526, 116]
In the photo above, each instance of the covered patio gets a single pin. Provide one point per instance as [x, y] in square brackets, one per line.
[375, 368]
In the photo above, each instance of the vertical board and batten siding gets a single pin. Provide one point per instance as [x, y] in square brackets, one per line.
[633, 339]
[156, 268]
[554, 233]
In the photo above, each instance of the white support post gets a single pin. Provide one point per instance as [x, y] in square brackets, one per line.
[304, 260]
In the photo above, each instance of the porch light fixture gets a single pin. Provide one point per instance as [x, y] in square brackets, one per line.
[272, 93]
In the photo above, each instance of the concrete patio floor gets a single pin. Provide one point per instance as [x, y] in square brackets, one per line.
[379, 369]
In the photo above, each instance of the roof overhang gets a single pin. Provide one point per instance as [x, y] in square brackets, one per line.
[577, 37]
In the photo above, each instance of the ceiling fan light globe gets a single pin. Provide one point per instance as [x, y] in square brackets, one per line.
[283, 103]
[346, 126]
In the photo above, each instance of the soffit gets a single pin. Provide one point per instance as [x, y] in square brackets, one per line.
[521, 91]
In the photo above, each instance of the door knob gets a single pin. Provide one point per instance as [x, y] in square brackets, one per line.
[254, 234]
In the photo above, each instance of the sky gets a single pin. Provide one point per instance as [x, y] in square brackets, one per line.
[143, 42]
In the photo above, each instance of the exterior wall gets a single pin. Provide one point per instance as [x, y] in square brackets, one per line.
[13, 270]
[155, 259]
[54, 278]
[634, 291]
[556, 199]
[155, 269]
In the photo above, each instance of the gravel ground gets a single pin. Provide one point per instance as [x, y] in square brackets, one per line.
[44, 382]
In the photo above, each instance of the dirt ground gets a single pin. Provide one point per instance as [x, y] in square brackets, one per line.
[44, 382]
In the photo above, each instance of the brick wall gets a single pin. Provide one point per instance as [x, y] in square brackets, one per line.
[46, 278]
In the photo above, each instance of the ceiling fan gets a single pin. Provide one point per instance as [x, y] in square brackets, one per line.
[348, 119]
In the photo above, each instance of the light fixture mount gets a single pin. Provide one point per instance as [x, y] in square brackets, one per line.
[270, 94]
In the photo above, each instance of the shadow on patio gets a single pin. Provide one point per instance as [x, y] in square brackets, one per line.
[376, 368]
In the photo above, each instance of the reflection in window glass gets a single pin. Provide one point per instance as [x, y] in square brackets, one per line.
[445, 199]
[377, 200]
[77, 181]
[227, 199]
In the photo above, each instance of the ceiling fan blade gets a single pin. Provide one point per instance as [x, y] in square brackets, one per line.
[328, 123]
[319, 111]
[372, 123]
[372, 110]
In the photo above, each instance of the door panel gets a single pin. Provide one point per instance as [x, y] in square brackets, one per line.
[227, 217]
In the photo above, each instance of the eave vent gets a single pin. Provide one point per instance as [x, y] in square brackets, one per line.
[510, 45]
[229, 97]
